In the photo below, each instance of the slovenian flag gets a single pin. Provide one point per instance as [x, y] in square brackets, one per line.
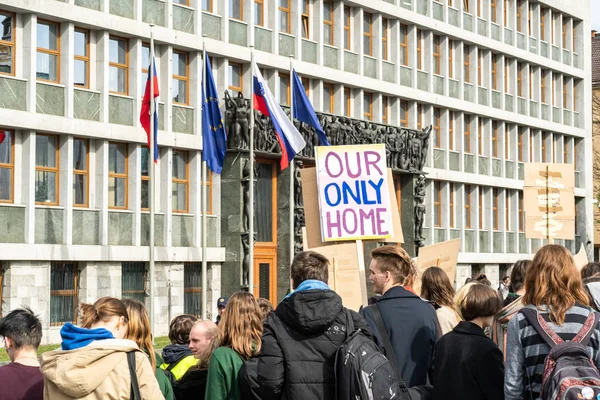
[290, 140]
[145, 111]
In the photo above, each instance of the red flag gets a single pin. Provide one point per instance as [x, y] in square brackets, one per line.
[145, 112]
[2, 136]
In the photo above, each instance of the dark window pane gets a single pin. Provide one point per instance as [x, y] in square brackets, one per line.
[192, 287]
[63, 293]
[263, 205]
[133, 280]
[264, 275]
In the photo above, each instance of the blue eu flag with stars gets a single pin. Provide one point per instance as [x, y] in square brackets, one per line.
[214, 138]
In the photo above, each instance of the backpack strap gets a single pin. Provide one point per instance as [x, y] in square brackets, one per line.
[387, 344]
[135, 387]
[587, 330]
[172, 365]
[350, 328]
[540, 325]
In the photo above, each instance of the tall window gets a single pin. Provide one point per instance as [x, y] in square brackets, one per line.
[347, 100]
[419, 116]
[368, 34]
[543, 86]
[565, 105]
[574, 96]
[480, 136]
[520, 23]
[466, 62]
[495, 139]
[235, 78]
[419, 49]
[80, 172]
[184, 2]
[117, 175]
[46, 170]
[384, 109]
[520, 80]
[451, 58]
[192, 288]
[305, 19]
[451, 203]
[480, 207]
[479, 64]
[284, 89]
[82, 58]
[328, 26]
[564, 34]
[507, 142]
[479, 8]
[494, 72]
[236, 9]
[529, 20]
[507, 209]
[145, 65]
[284, 16]
[64, 292]
[328, 99]
[368, 106]
[553, 90]
[133, 280]
[145, 179]
[347, 32]
[384, 38]
[543, 150]
[404, 45]
[530, 82]
[180, 181]
[495, 222]
[209, 191]
[437, 203]
[542, 25]
[506, 74]
[506, 10]
[467, 206]
[467, 133]
[493, 10]
[181, 80]
[531, 145]
[437, 65]
[520, 143]
[259, 13]
[7, 166]
[48, 51]
[118, 66]
[404, 113]
[207, 5]
[451, 130]
[436, 128]
[521, 213]
[7, 43]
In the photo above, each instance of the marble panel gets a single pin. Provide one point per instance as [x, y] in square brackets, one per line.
[469, 162]
[405, 76]
[578, 180]
[511, 242]
[556, 114]
[93, 4]
[183, 120]
[122, 8]
[262, 39]
[509, 169]
[423, 80]
[212, 222]
[13, 94]
[211, 26]
[496, 99]
[309, 51]
[576, 120]
[555, 53]
[120, 228]
[521, 42]
[498, 242]
[161, 116]
[423, 7]
[544, 49]
[159, 229]
[183, 19]
[153, 12]
[482, 27]
[484, 237]
[454, 234]
[12, 224]
[120, 110]
[390, 1]
[482, 96]
[495, 31]
[470, 241]
[388, 71]
[508, 36]
[86, 105]
[521, 171]
[496, 167]
[50, 99]
[545, 112]
[468, 92]
[576, 61]
[183, 230]
[483, 166]
[238, 33]
[439, 235]
[508, 102]
[438, 11]
[453, 16]
[86, 227]
[439, 158]
[467, 22]
[567, 117]
[287, 44]
[522, 105]
[350, 62]
[454, 160]
[453, 90]
[48, 225]
[330, 57]
[438, 85]
[406, 4]
[370, 67]
[522, 244]
[533, 109]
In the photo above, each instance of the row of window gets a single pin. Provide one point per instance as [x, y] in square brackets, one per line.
[47, 175]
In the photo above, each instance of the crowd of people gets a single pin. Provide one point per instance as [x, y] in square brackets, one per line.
[479, 342]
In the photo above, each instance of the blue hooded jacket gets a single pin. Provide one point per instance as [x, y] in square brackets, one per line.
[75, 337]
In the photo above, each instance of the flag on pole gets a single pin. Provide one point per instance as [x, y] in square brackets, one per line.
[304, 111]
[290, 140]
[145, 112]
[2, 136]
[214, 138]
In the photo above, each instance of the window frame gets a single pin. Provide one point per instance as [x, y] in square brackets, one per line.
[480, 128]
[368, 33]
[287, 12]
[305, 20]
[437, 193]
[288, 94]
[144, 178]
[494, 72]
[210, 6]
[450, 130]
[384, 109]
[192, 290]
[495, 139]
[65, 292]
[368, 100]
[239, 89]
[330, 23]
[506, 74]
[437, 117]
[419, 116]
[493, 10]
[564, 34]
[384, 39]
[50, 52]
[347, 101]
[506, 141]
[11, 165]
[479, 67]
[55, 170]
[347, 28]
[467, 63]
[404, 43]
[521, 213]
[124, 67]
[520, 79]
[404, 107]
[520, 137]
[241, 18]
[83, 172]
[179, 181]
[564, 105]
[180, 78]
[495, 211]
[437, 65]
[467, 197]
[519, 16]
[481, 198]
[451, 203]
[330, 86]
[260, 3]
[467, 133]
[124, 176]
[542, 25]
[12, 44]
[130, 293]
[451, 58]
[419, 50]
[85, 59]
[543, 88]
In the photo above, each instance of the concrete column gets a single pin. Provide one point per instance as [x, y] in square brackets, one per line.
[166, 71]
[29, 47]
[214, 289]
[463, 271]
[166, 201]
[135, 190]
[28, 184]
[102, 77]
[67, 64]
[66, 187]
[102, 187]
[195, 188]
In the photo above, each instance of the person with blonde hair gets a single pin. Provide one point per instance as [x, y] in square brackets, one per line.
[240, 331]
[554, 292]
[94, 361]
[436, 287]
[139, 331]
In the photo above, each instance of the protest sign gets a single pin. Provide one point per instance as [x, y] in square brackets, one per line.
[443, 255]
[580, 258]
[354, 201]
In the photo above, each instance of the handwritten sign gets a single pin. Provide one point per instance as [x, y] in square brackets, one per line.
[443, 255]
[353, 192]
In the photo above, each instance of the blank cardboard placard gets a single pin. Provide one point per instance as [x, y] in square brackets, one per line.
[443, 255]
[581, 258]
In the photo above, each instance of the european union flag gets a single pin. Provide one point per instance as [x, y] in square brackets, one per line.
[304, 111]
[214, 138]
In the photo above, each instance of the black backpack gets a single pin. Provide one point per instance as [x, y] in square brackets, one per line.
[569, 373]
[361, 371]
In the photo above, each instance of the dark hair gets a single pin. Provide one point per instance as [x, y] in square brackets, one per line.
[436, 286]
[482, 278]
[517, 275]
[102, 310]
[23, 327]
[265, 307]
[179, 330]
[590, 269]
[505, 278]
[476, 300]
[395, 260]
[309, 265]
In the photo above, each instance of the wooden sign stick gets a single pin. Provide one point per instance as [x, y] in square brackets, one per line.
[438, 261]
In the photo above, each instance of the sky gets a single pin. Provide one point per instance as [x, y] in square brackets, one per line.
[595, 14]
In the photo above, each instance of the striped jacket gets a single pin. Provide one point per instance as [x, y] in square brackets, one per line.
[526, 351]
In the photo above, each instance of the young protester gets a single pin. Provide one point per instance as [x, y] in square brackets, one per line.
[93, 360]
[192, 385]
[201, 337]
[177, 356]
[590, 269]
[555, 291]
[436, 287]
[504, 287]
[517, 281]
[265, 307]
[139, 331]
[21, 331]
[240, 331]
[468, 365]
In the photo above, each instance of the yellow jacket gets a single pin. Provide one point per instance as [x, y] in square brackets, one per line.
[181, 366]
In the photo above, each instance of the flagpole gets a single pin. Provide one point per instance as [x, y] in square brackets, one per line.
[251, 183]
[204, 191]
[292, 241]
[152, 183]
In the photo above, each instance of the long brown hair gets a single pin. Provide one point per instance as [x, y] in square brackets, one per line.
[436, 287]
[138, 328]
[241, 325]
[102, 310]
[553, 280]
[204, 356]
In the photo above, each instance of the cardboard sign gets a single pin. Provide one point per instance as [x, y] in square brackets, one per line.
[443, 255]
[354, 201]
[312, 217]
[580, 258]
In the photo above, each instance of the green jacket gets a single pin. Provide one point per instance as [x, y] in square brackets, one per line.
[222, 382]
[163, 381]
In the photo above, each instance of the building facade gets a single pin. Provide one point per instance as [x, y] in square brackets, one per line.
[501, 82]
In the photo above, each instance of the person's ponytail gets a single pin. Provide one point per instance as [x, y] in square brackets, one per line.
[89, 315]
[101, 310]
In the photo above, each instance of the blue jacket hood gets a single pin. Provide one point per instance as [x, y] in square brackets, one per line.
[74, 337]
[175, 352]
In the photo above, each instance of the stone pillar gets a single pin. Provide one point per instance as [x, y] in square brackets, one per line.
[214, 290]
[283, 233]
[492, 272]
[408, 182]
[463, 271]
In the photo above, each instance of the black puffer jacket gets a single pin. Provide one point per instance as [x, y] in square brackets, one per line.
[300, 340]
